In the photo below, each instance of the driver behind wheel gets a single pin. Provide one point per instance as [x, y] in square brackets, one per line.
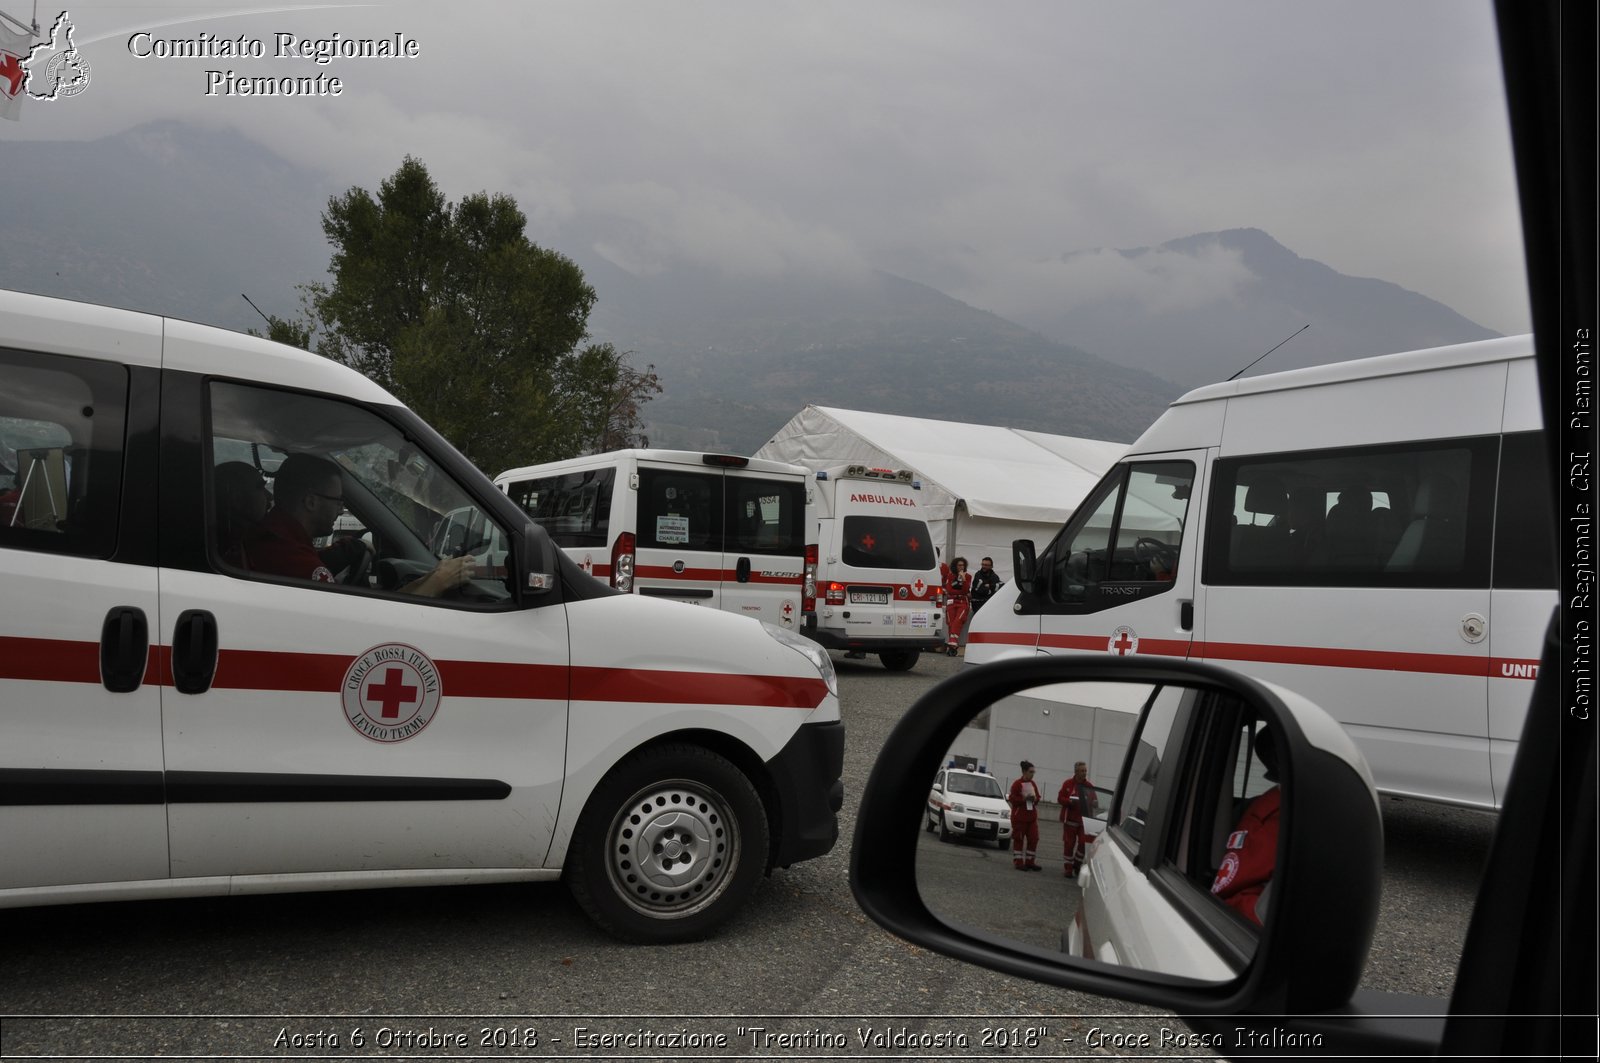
[307, 497]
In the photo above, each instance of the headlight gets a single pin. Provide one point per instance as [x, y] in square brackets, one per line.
[959, 807]
[810, 651]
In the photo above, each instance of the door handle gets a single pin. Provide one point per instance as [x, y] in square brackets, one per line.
[1186, 615]
[124, 649]
[742, 570]
[194, 652]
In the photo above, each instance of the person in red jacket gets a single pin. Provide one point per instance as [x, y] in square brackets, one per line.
[958, 602]
[1244, 879]
[1077, 799]
[1024, 800]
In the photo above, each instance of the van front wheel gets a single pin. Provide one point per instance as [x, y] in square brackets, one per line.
[671, 844]
[899, 660]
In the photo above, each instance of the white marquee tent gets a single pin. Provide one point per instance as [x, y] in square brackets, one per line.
[985, 485]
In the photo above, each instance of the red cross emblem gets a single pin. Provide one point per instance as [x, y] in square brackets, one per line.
[920, 587]
[914, 544]
[788, 610]
[1123, 642]
[392, 693]
[868, 542]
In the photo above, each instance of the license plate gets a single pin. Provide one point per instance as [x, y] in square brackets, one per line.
[870, 597]
[978, 827]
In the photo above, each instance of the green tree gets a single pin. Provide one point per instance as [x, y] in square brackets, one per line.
[471, 324]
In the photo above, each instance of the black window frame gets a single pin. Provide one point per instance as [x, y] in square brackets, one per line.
[1217, 569]
[93, 505]
[1054, 599]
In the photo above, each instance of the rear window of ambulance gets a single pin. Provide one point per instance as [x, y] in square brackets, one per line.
[887, 542]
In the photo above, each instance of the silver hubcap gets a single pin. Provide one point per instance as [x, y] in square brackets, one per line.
[672, 849]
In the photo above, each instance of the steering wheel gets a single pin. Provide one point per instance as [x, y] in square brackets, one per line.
[1148, 549]
[355, 574]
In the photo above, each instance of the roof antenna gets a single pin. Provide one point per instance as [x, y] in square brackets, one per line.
[268, 320]
[1251, 366]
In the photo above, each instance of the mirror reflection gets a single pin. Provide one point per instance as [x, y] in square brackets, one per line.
[1125, 823]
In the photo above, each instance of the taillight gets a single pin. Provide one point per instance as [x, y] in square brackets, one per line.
[622, 563]
[808, 587]
[938, 596]
[835, 594]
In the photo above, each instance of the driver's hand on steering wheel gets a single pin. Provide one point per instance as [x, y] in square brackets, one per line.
[450, 575]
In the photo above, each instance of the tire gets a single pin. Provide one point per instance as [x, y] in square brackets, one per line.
[927, 823]
[899, 660]
[709, 843]
[944, 831]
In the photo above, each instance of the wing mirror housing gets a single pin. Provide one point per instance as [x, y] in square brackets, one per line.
[1024, 567]
[539, 565]
[1305, 957]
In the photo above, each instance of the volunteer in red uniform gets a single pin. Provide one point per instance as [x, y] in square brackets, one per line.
[1244, 879]
[958, 602]
[1077, 799]
[1024, 800]
[307, 497]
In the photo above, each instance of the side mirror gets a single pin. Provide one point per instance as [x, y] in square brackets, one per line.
[1024, 568]
[1174, 901]
[536, 559]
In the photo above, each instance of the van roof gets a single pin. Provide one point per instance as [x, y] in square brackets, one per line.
[1502, 349]
[90, 330]
[676, 457]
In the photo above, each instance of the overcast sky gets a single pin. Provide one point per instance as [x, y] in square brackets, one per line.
[967, 145]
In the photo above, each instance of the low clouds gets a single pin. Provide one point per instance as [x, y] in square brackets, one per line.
[966, 146]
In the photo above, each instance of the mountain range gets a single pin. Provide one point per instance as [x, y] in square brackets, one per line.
[176, 220]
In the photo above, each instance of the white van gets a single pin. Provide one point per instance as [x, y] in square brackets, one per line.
[181, 715]
[715, 530]
[878, 584]
[1368, 534]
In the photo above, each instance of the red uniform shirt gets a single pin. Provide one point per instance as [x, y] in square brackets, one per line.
[280, 546]
[1073, 803]
[1252, 854]
[1022, 811]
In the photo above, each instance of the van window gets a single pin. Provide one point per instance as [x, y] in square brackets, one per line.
[680, 510]
[573, 507]
[765, 516]
[61, 438]
[1524, 541]
[887, 542]
[411, 508]
[1141, 508]
[1411, 515]
[1152, 748]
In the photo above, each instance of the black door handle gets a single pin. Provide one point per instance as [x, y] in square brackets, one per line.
[124, 649]
[1186, 615]
[742, 570]
[194, 652]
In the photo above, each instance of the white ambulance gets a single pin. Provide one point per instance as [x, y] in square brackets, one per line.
[714, 530]
[1368, 534]
[183, 716]
[879, 589]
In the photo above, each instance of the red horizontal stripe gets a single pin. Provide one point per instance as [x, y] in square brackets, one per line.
[61, 661]
[1309, 656]
[708, 575]
[49, 660]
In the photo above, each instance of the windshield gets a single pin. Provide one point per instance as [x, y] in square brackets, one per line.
[975, 786]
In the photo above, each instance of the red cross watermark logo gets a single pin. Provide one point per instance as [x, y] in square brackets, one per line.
[919, 588]
[391, 692]
[1123, 642]
[868, 542]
